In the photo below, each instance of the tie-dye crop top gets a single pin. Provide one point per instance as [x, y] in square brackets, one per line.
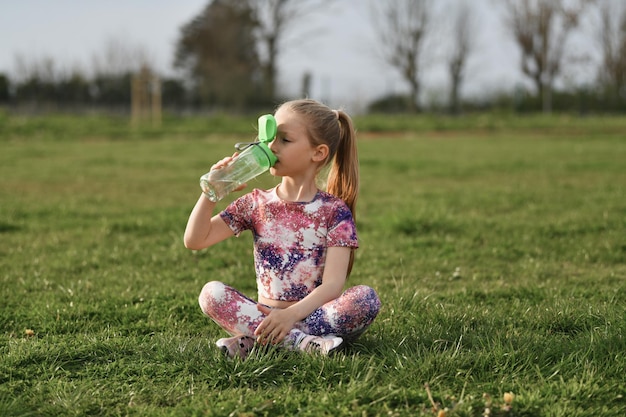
[290, 239]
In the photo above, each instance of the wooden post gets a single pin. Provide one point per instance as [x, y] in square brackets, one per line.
[135, 87]
[145, 98]
[156, 101]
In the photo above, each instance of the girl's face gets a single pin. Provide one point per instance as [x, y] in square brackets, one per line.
[291, 145]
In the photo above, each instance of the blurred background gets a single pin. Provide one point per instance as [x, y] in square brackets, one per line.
[239, 56]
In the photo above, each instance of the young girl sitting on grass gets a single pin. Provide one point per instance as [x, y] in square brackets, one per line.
[304, 240]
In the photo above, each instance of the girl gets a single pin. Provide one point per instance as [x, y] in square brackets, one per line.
[304, 240]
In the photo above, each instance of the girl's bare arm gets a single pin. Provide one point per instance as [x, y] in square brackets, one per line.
[203, 229]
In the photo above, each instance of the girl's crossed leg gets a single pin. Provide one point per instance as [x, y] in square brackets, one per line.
[348, 316]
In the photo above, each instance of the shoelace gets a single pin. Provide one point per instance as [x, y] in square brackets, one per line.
[312, 345]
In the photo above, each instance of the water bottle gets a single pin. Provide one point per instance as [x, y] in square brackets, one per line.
[255, 158]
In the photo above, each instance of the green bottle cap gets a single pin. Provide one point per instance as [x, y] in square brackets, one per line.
[267, 133]
[264, 152]
[267, 128]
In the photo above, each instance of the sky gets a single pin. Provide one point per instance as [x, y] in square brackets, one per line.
[338, 46]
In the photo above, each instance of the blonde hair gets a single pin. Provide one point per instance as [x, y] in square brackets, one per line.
[335, 129]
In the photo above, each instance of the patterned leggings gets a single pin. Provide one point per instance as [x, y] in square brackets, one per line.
[347, 316]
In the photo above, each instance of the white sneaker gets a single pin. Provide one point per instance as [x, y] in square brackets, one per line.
[236, 346]
[320, 344]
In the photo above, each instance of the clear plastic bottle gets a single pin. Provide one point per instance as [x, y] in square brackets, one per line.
[255, 159]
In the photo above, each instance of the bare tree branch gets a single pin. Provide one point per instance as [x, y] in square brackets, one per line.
[463, 44]
[541, 29]
[276, 18]
[612, 39]
[402, 26]
[119, 57]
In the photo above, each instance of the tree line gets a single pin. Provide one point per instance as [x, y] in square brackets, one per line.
[227, 58]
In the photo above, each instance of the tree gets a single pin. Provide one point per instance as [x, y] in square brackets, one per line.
[613, 44]
[119, 57]
[275, 18]
[541, 29]
[401, 26]
[35, 81]
[463, 43]
[173, 93]
[113, 67]
[4, 89]
[72, 89]
[217, 51]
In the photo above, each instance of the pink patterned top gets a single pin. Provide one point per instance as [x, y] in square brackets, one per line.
[290, 238]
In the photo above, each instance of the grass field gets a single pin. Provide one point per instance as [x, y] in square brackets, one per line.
[497, 245]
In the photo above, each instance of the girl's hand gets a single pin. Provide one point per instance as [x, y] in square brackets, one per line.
[223, 163]
[275, 326]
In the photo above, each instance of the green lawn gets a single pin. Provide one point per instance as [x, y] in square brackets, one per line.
[498, 248]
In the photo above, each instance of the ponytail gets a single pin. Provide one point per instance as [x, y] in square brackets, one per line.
[343, 177]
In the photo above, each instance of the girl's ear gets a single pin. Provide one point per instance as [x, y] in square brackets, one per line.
[320, 153]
